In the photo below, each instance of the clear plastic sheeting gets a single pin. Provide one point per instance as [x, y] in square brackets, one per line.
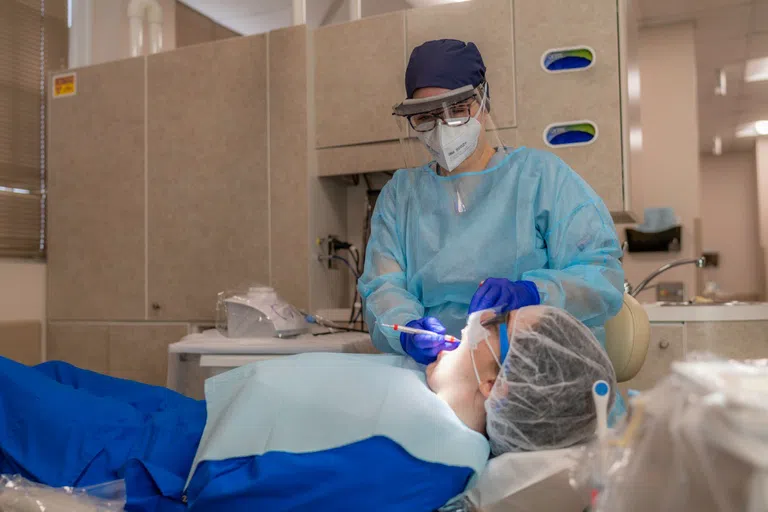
[697, 441]
[529, 482]
[462, 504]
[257, 311]
[20, 495]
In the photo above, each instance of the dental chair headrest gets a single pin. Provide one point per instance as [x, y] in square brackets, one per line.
[627, 337]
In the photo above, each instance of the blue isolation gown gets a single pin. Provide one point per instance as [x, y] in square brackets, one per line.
[528, 216]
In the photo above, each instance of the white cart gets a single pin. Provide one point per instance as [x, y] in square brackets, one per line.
[200, 356]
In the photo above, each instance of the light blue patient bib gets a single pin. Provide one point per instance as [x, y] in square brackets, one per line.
[314, 402]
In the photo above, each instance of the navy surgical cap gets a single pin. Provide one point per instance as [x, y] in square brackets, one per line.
[445, 63]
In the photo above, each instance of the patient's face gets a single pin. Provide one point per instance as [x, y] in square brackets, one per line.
[453, 379]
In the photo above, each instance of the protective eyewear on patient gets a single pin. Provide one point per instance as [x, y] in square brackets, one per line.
[498, 324]
[499, 317]
[452, 115]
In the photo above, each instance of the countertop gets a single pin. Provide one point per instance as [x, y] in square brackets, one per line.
[212, 342]
[708, 312]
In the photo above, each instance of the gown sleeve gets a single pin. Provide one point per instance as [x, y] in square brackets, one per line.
[584, 275]
[386, 299]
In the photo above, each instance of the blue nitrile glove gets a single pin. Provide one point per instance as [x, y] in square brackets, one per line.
[424, 348]
[504, 294]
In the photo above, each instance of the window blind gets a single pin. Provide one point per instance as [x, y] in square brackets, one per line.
[27, 35]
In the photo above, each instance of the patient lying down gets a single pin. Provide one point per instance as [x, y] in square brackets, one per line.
[540, 398]
[312, 431]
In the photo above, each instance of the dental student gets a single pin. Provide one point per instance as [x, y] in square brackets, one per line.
[482, 225]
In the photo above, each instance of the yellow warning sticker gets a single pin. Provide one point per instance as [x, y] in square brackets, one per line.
[64, 85]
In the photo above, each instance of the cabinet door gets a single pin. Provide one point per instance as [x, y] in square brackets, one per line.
[288, 164]
[20, 341]
[96, 196]
[140, 351]
[593, 94]
[488, 24]
[732, 340]
[83, 345]
[666, 346]
[207, 178]
[359, 76]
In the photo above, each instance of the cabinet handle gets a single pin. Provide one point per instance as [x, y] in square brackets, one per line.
[156, 306]
[663, 344]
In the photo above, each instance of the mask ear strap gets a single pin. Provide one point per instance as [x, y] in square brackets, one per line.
[474, 366]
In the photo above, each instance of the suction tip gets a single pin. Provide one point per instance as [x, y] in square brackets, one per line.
[601, 388]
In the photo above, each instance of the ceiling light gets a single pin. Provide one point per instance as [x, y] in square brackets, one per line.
[717, 146]
[633, 84]
[756, 70]
[756, 129]
[747, 130]
[722, 83]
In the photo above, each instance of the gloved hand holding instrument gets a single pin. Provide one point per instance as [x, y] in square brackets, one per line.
[424, 339]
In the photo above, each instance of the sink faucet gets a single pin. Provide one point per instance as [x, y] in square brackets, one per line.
[699, 262]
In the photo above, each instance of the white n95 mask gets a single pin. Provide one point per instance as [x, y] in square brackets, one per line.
[451, 145]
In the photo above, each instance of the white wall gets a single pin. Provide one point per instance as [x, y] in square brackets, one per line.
[22, 291]
[331, 12]
[100, 31]
[730, 221]
[666, 173]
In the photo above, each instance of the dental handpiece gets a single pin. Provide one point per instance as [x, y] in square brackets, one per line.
[412, 330]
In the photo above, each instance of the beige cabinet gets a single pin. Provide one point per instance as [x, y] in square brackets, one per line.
[207, 180]
[667, 345]
[732, 340]
[139, 351]
[83, 345]
[676, 341]
[136, 351]
[20, 341]
[359, 77]
[96, 196]
[288, 164]
[545, 98]
[487, 23]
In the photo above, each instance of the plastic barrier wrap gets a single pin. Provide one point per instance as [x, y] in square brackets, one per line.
[20, 495]
[697, 441]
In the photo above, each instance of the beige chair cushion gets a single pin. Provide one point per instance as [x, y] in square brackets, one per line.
[627, 338]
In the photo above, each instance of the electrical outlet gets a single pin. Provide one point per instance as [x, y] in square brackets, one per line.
[327, 250]
[671, 291]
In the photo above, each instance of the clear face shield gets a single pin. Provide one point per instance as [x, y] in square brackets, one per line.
[454, 135]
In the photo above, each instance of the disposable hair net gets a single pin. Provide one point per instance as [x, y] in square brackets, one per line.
[542, 398]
